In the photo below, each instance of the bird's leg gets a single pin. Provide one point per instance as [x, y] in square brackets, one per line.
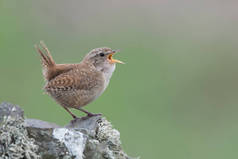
[88, 113]
[74, 116]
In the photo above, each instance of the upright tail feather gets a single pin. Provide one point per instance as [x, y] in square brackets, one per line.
[49, 67]
[46, 59]
[48, 64]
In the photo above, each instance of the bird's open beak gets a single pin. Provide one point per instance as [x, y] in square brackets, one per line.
[114, 60]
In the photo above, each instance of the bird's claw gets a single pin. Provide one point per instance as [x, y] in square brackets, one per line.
[91, 114]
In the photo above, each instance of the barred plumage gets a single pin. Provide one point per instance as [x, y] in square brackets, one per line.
[76, 85]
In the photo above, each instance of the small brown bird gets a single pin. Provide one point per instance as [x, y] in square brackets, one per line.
[76, 85]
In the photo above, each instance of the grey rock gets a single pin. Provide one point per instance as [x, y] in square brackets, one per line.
[88, 138]
[35, 123]
[87, 125]
[9, 110]
[14, 139]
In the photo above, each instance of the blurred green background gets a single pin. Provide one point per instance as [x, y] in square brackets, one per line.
[176, 97]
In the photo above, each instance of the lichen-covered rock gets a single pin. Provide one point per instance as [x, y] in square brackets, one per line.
[85, 138]
[14, 139]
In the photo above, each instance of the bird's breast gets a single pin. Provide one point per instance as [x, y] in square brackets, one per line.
[107, 73]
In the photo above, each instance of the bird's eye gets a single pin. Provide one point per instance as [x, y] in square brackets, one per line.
[101, 54]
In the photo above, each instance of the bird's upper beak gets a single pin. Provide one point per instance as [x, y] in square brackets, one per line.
[111, 60]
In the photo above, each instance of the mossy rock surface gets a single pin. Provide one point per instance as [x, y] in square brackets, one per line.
[90, 138]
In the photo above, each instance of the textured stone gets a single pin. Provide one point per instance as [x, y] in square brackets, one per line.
[14, 139]
[35, 123]
[85, 138]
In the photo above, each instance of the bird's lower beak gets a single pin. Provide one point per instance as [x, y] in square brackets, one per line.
[113, 60]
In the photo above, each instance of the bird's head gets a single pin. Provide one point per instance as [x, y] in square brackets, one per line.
[102, 58]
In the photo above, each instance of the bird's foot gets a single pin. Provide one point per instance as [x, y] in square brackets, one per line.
[92, 114]
[89, 115]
